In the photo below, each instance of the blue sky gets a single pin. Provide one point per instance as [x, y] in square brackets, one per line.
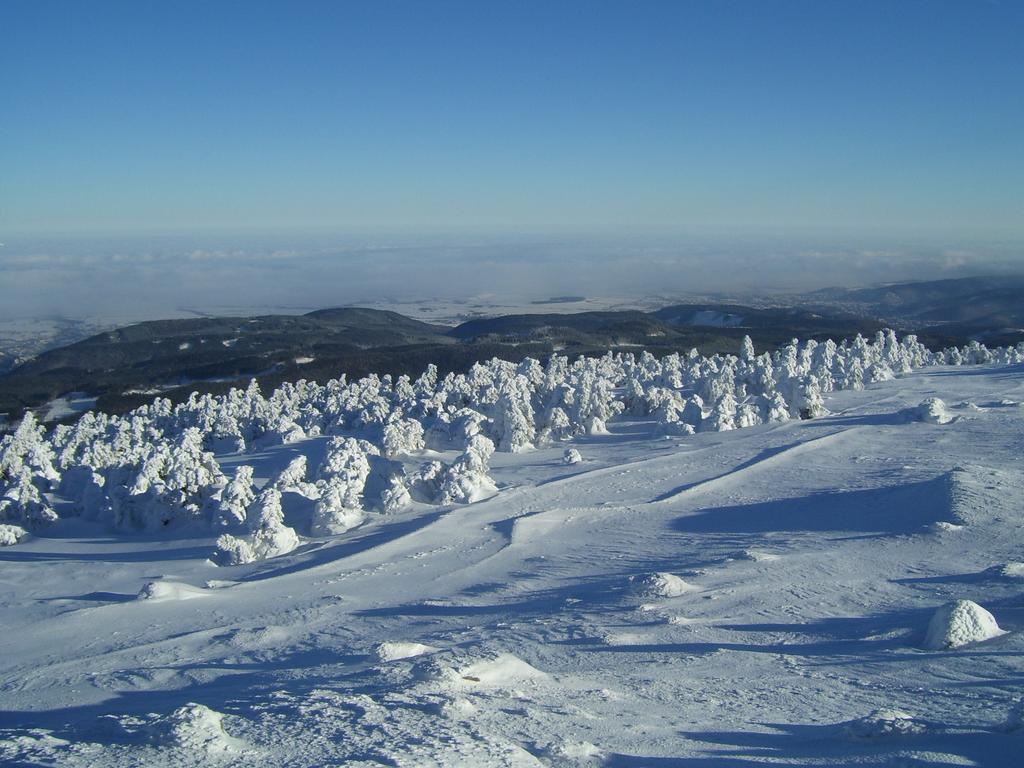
[513, 117]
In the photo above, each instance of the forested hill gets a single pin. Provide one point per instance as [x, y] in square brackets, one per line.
[128, 366]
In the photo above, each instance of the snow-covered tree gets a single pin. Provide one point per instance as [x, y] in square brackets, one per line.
[396, 496]
[403, 437]
[269, 535]
[154, 467]
[295, 478]
[514, 426]
[234, 499]
[23, 504]
[342, 479]
[467, 479]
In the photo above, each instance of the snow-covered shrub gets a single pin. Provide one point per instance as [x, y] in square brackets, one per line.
[777, 409]
[933, 411]
[810, 403]
[750, 413]
[571, 456]
[347, 457]
[1013, 570]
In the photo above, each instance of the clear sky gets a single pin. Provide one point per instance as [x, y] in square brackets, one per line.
[516, 116]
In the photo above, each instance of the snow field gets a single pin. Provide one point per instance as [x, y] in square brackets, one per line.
[519, 630]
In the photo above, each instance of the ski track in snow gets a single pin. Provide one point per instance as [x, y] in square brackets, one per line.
[812, 561]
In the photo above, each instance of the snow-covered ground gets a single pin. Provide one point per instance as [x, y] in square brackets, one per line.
[762, 595]
[69, 405]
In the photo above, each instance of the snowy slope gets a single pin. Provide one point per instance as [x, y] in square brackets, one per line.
[529, 628]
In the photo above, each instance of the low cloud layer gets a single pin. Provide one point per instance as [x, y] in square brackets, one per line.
[154, 277]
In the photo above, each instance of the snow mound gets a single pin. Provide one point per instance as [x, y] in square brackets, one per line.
[160, 591]
[500, 671]
[661, 585]
[1012, 570]
[396, 651]
[260, 637]
[757, 556]
[574, 753]
[945, 527]
[883, 724]
[933, 411]
[194, 727]
[571, 456]
[497, 670]
[11, 534]
[960, 623]
[457, 708]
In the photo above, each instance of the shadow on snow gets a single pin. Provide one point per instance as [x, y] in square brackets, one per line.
[899, 509]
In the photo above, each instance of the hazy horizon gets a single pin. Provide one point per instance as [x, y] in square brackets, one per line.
[152, 276]
[203, 154]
